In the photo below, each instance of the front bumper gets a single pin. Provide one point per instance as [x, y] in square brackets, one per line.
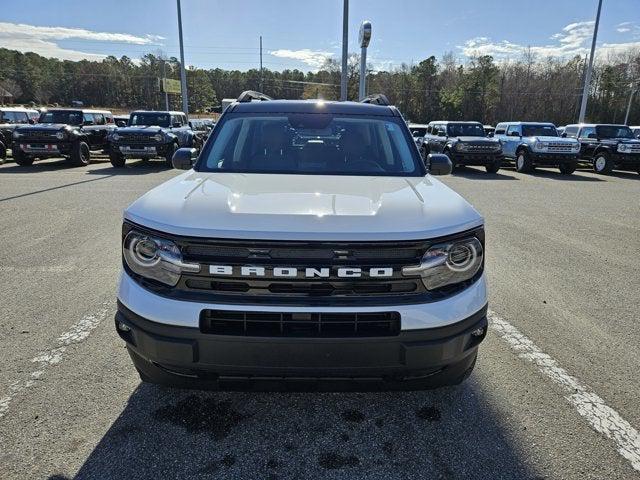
[626, 160]
[476, 159]
[553, 159]
[435, 343]
[44, 149]
[188, 358]
[141, 150]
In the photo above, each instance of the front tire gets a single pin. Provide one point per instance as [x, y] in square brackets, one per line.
[493, 167]
[567, 168]
[80, 154]
[524, 164]
[168, 157]
[117, 159]
[602, 164]
[3, 153]
[22, 158]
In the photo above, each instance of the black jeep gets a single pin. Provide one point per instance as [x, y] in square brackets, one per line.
[607, 147]
[69, 133]
[10, 119]
[152, 134]
[465, 143]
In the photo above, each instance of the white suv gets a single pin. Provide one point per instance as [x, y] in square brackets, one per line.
[307, 244]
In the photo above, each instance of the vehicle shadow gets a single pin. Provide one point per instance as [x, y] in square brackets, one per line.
[132, 167]
[574, 177]
[445, 433]
[478, 174]
[37, 166]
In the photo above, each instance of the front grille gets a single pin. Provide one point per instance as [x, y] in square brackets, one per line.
[481, 148]
[39, 135]
[560, 148]
[301, 256]
[136, 138]
[313, 325]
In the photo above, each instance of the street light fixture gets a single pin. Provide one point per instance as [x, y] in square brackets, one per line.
[365, 38]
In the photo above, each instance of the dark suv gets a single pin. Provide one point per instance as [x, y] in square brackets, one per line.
[607, 146]
[10, 119]
[152, 134]
[69, 133]
[465, 143]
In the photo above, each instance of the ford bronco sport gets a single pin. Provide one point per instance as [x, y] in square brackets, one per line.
[68, 133]
[307, 245]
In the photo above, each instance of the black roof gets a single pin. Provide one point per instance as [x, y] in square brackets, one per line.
[446, 122]
[580, 125]
[312, 106]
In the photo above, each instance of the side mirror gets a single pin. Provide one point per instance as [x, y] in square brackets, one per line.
[490, 134]
[564, 135]
[32, 121]
[441, 133]
[176, 125]
[514, 134]
[184, 158]
[438, 164]
[592, 135]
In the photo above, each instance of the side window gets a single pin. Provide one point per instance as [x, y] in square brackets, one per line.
[571, 131]
[183, 119]
[176, 119]
[88, 118]
[586, 131]
[513, 128]
[98, 118]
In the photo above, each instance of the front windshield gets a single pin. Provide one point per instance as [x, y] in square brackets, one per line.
[150, 119]
[68, 117]
[614, 131]
[13, 117]
[465, 130]
[321, 144]
[418, 132]
[539, 131]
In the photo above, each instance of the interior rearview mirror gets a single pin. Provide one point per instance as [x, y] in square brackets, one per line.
[184, 158]
[438, 164]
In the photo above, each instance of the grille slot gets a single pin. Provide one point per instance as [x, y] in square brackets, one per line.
[136, 138]
[313, 325]
[39, 135]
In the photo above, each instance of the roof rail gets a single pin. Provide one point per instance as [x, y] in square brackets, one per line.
[250, 95]
[376, 99]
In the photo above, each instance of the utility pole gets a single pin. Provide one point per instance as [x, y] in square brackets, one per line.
[261, 77]
[365, 38]
[183, 73]
[164, 87]
[626, 117]
[587, 79]
[345, 50]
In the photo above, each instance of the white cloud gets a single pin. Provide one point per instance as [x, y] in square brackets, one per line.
[312, 58]
[43, 40]
[574, 39]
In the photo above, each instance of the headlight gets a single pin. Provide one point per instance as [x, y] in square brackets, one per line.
[61, 135]
[16, 134]
[155, 258]
[497, 146]
[158, 137]
[575, 146]
[462, 147]
[623, 148]
[449, 263]
[115, 137]
[542, 145]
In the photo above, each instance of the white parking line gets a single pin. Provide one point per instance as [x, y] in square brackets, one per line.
[53, 356]
[601, 417]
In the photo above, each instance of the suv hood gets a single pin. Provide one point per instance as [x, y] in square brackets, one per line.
[547, 138]
[47, 127]
[151, 130]
[303, 207]
[477, 139]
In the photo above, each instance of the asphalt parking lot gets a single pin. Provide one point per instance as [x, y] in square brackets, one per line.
[555, 393]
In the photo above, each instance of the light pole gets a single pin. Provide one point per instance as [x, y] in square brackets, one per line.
[587, 78]
[365, 38]
[183, 73]
[345, 50]
[626, 117]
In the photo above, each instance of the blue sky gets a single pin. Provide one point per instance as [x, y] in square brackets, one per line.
[300, 34]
